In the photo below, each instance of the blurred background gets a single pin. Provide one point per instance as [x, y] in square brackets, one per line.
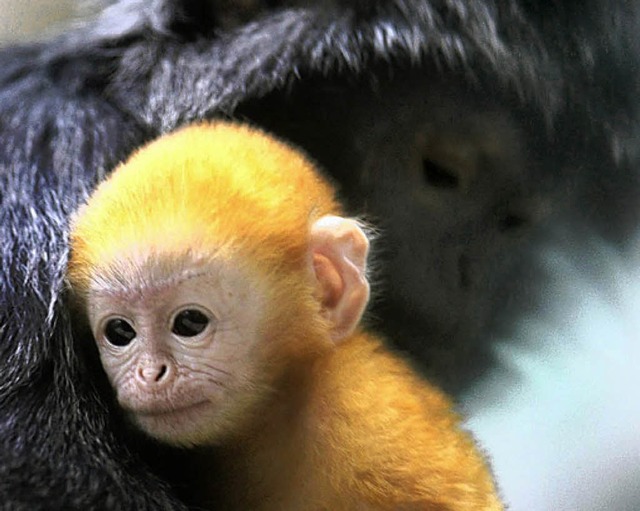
[561, 419]
[33, 19]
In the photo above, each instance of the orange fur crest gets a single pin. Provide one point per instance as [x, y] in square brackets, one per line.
[216, 184]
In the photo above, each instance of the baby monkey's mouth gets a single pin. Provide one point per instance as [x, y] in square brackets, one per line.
[163, 410]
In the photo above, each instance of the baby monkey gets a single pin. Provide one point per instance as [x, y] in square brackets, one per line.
[224, 289]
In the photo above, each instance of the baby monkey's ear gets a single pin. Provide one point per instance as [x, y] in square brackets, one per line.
[339, 250]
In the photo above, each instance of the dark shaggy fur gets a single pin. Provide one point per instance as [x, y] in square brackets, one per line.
[365, 87]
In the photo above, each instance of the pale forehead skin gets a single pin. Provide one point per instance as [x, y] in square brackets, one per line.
[133, 281]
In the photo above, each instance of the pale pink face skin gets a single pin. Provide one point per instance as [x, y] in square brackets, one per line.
[178, 379]
[184, 342]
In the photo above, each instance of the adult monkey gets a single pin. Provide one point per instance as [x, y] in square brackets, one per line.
[500, 117]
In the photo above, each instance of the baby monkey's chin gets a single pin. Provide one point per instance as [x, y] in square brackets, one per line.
[183, 426]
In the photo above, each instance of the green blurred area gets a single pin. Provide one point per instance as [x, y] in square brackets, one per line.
[24, 20]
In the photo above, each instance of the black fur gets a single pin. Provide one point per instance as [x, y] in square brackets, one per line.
[360, 85]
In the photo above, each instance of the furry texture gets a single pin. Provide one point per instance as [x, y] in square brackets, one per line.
[220, 182]
[348, 81]
[408, 451]
[349, 425]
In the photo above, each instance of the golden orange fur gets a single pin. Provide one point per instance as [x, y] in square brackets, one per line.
[344, 425]
[219, 191]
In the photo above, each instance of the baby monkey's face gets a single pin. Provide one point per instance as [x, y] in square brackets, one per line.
[180, 351]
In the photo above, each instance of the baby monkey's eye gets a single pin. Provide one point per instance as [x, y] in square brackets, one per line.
[119, 332]
[189, 323]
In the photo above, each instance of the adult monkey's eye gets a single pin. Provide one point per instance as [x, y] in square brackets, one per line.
[189, 323]
[119, 332]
